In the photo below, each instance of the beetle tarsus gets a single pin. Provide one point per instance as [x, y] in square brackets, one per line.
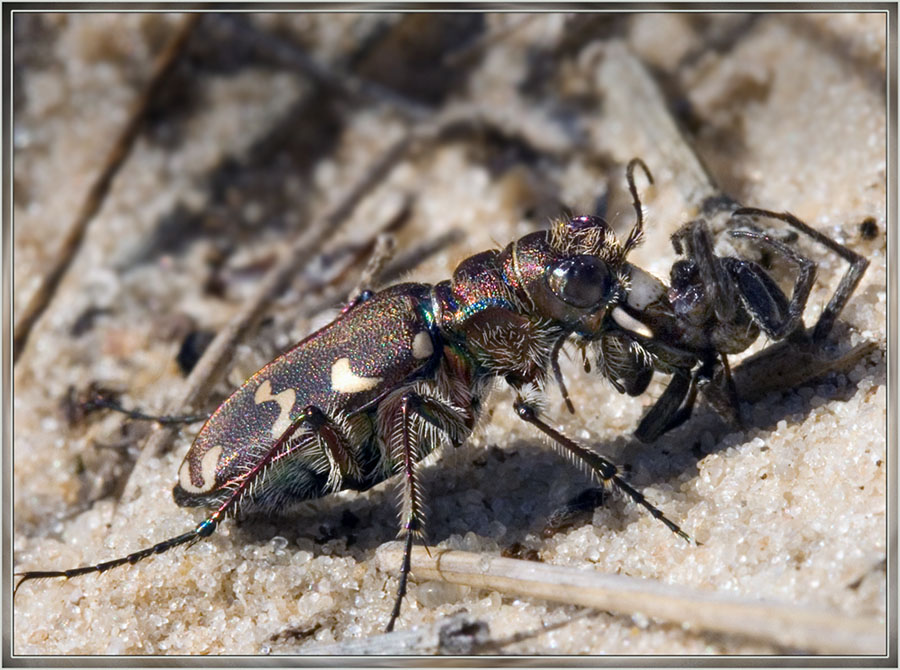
[401, 589]
[160, 547]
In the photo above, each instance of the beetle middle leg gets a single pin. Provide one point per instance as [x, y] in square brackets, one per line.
[410, 428]
[557, 372]
[605, 470]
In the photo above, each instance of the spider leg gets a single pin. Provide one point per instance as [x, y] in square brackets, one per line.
[720, 391]
[673, 407]
[849, 281]
[762, 297]
[695, 242]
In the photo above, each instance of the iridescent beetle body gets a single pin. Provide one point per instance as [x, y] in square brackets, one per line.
[406, 370]
[344, 371]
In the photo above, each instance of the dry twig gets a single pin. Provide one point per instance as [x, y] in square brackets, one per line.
[778, 623]
[633, 97]
[237, 29]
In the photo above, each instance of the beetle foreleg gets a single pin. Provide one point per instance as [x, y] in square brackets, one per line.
[599, 466]
[557, 373]
[624, 362]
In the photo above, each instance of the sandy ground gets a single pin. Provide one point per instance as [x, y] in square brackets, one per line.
[788, 113]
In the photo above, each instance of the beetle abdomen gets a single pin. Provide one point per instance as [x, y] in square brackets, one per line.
[303, 417]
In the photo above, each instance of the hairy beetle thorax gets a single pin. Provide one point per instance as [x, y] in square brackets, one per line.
[484, 318]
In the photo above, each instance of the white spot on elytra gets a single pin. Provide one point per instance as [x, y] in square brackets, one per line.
[422, 347]
[343, 380]
[208, 464]
[628, 322]
[285, 400]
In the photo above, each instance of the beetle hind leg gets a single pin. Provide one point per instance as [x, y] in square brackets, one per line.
[311, 419]
[202, 530]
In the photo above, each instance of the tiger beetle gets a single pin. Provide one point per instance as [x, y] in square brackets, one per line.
[404, 370]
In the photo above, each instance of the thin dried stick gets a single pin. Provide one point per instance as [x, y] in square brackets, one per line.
[413, 257]
[778, 623]
[485, 41]
[458, 635]
[443, 637]
[71, 243]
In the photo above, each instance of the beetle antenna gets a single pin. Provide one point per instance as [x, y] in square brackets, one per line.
[637, 232]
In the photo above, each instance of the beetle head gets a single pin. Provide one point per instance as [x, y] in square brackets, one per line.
[571, 274]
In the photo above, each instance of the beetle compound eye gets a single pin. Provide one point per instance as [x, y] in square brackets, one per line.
[581, 282]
